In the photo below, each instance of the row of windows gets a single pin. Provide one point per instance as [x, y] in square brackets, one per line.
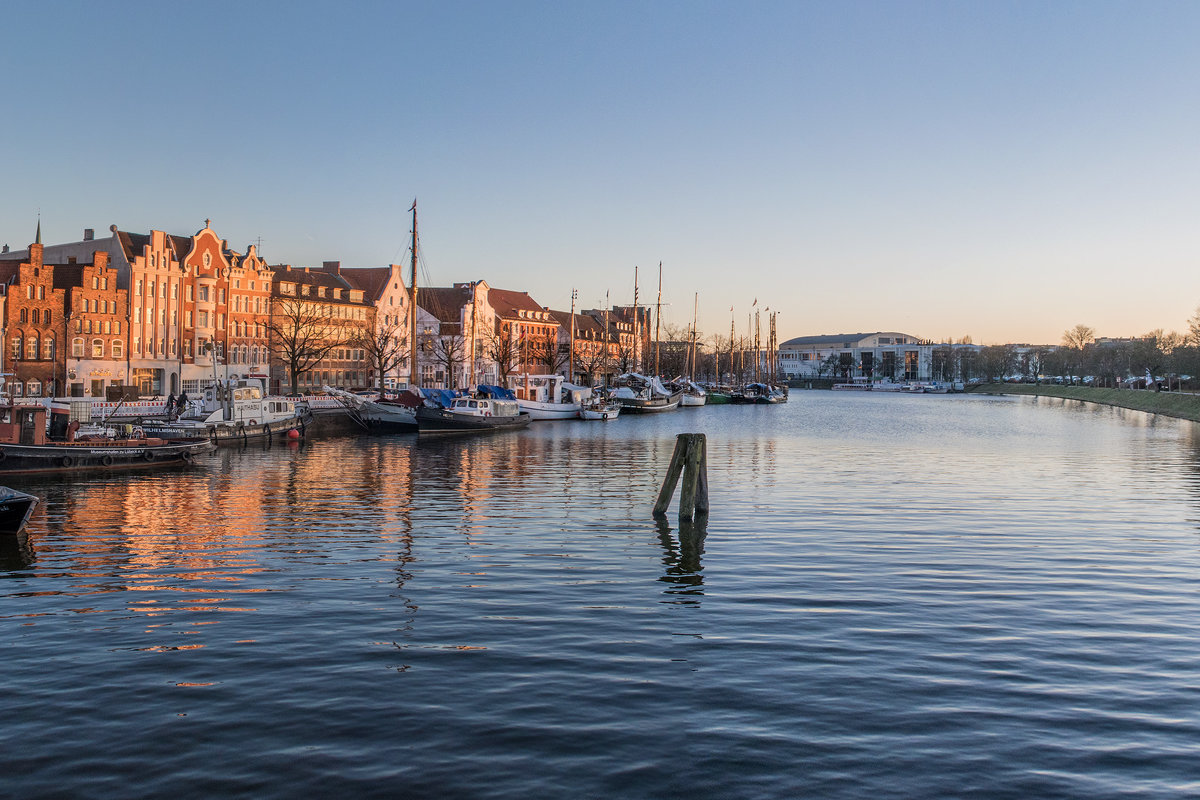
[25, 315]
[105, 326]
[31, 346]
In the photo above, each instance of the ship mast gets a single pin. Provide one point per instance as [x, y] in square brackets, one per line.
[692, 353]
[571, 350]
[657, 319]
[637, 332]
[412, 338]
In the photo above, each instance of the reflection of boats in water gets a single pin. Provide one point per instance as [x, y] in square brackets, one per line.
[233, 412]
[639, 394]
[15, 508]
[492, 410]
[25, 446]
[545, 397]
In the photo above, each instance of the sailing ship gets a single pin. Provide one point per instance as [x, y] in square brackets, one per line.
[545, 397]
[639, 394]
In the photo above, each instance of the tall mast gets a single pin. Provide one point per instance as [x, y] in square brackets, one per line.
[606, 339]
[732, 336]
[692, 354]
[571, 350]
[657, 318]
[637, 333]
[413, 377]
[757, 346]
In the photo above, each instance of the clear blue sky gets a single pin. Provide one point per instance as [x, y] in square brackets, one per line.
[1002, 170]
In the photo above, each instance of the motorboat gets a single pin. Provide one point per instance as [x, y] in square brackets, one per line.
[600, 409]
[492, 409]
[382, 413]
[234, 412]
[545, 397]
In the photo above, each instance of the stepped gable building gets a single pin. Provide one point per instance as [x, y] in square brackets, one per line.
[525, 336]
[332, 316]
[95, 314]
[47, 305]
[196, 309]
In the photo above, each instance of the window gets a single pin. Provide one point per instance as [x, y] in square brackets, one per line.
[202, 293]
[29, 292]
[137, 315]
[31, 348]
[137, 345]
[202, 316]
[48, 348]
[118, 348]
[95, 282]
[24, 315]
[138, 290]
[187, 319]
[41, 293]
[33, 388]
[46, 316]
[77, 347]
[117, 327]
[162, 290]
[189, 292]
[97, 348]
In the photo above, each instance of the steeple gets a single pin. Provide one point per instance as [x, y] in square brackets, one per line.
[38, 240]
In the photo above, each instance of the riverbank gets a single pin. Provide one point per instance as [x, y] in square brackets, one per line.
[1170, 404]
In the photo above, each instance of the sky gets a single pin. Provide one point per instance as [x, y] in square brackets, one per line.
[1002, 170]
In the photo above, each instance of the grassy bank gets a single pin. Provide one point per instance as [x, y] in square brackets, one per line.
[1171, 404]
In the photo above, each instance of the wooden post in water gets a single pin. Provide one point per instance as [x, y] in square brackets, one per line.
[690, 460]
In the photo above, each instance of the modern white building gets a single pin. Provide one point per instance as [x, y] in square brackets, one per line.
[882, 355]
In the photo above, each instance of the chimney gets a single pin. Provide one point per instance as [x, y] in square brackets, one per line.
[332, 267]
[5, 250]
[89, 234]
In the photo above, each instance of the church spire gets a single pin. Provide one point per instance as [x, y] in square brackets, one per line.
[38, 240]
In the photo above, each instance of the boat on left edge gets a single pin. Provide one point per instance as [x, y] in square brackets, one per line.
[26, 446]
[233, 412]
[15, 508]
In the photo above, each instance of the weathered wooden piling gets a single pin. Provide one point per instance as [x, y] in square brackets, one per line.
[690, 460]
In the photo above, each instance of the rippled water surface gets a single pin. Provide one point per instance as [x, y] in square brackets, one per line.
[894, 597]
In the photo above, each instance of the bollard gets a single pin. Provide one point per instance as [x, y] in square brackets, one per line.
[690, 460]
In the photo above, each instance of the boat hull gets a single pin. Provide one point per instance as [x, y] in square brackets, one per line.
[15, 509]
[693, 400]
[97, 456]
[440, 422]
[600, 414]
[228, 433]
[548, 411]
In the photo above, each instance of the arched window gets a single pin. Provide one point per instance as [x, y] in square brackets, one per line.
[33, 388]
[97, 348]
[77, 347]
[46, 316]
[31, 348]
[48, 348]
[16, 347]
[41, 293]
[18, 389]
[24, 315]
[118, 349]
[35, 316]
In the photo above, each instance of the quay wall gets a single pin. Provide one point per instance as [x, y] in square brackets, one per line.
[1170, 404]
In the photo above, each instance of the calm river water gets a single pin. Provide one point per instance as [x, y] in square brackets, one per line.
[896, 597]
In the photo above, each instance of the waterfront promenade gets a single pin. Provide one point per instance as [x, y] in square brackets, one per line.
[1182, 405]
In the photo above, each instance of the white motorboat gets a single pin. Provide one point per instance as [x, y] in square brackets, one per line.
[545, 397]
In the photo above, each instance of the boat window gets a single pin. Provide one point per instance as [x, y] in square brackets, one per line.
[473, 404]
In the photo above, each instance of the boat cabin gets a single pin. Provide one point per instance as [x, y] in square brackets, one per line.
[484, 407]
[23, 424]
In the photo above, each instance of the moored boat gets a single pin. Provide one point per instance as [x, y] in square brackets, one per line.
[600, 409]
[384, 413]
[639, 394]
[492, 410]
[545, 397]
[15, 508]
[234, 412]
[26, 448]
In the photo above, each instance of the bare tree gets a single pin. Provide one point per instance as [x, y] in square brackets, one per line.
[501, 348]
[385, 347]
[303, 333]
[449, 352]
